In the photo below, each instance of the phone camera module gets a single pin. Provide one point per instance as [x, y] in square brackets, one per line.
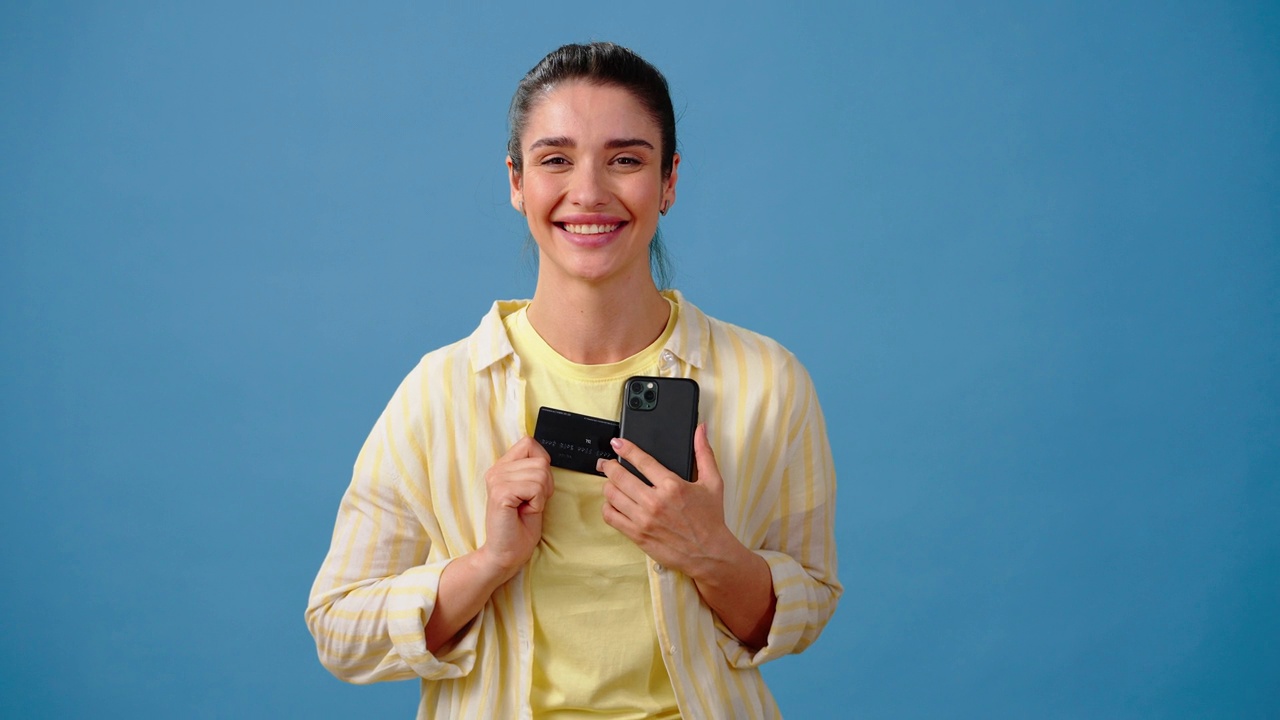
[642, 395]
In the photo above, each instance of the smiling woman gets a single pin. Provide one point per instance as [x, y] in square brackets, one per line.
[513, 588]
[592, 188]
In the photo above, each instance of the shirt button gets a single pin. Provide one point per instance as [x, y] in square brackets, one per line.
[668, 356]
[657, 567]
[671, 649]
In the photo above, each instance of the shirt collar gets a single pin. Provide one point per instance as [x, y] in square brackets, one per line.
[489, 343]
[692, 334]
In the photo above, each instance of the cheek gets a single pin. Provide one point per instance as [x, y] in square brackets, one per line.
[540, 195]
[635, 196]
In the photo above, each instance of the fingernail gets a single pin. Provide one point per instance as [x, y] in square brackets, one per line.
[599, 464]
[616, 443]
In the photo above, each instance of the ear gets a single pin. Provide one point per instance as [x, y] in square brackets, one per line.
[669, 185]
[517, 191]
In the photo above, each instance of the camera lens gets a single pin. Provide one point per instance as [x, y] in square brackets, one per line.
[649, 396]
[637, 387]
[635, 403]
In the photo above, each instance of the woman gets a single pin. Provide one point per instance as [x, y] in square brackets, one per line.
[515, 589]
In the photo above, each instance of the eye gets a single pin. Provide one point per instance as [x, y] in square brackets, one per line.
[554, 160]
[628, 161]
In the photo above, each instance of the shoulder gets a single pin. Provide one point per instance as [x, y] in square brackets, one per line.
[717, 345]
[756, 342]
[486, 345]
[449, 366]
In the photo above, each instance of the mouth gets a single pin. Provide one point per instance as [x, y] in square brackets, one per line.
[589, 228]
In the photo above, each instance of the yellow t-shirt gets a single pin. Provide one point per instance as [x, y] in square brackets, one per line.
[595, 652]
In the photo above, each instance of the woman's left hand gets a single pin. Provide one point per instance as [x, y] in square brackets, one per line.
[679, 524]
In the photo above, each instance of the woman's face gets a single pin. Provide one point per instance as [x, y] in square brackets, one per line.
[592, 183]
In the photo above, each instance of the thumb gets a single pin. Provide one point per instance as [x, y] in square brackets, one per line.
[525, 447]
[537, 451]
[705, 457]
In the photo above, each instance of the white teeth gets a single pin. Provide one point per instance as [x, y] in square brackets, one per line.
[590, 229]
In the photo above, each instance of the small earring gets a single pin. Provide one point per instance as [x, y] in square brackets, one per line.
[663, 210]
[521, 206]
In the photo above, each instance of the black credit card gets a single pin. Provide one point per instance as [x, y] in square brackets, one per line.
[575, 441]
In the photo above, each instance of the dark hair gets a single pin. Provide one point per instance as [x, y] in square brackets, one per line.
[602, 63]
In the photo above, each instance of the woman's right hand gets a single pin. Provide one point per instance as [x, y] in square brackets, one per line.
[519, 485]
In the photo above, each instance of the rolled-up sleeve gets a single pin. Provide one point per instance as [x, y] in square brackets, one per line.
[800, 542]
[377, 588]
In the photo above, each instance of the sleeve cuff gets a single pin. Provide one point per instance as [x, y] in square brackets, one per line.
[791, 615]
[411, 600]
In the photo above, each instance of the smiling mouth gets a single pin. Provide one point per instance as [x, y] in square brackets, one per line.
[590, 229]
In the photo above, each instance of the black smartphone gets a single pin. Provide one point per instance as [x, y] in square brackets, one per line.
[659, 415]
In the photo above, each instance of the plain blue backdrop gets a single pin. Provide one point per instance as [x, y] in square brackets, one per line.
[1030, 253]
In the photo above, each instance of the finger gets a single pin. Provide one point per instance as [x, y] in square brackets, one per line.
[535, 469]
[624, 480]
[705, 458]
[525, 447]
[657, 473]
[537, 451]
[540, 466]
[523, 492]
[618, 520]
[624, 525]
[618, 498]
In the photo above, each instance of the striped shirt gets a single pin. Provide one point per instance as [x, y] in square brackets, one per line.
[418, 497]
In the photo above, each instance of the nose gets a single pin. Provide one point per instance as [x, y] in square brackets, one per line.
[590, 187]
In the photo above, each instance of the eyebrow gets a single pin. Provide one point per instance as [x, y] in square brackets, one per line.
[564, 142]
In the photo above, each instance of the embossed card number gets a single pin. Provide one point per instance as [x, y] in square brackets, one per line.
[575, 441]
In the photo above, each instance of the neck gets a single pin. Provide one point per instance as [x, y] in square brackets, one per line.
[593, 324]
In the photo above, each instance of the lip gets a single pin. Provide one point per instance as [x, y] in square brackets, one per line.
[588, 219]
[593, 240]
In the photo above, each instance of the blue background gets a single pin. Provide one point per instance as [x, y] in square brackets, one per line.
[1030, 253]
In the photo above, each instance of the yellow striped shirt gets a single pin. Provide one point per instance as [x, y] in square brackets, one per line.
[417, 499]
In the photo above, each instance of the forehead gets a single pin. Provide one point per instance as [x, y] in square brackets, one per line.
[587, 113]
